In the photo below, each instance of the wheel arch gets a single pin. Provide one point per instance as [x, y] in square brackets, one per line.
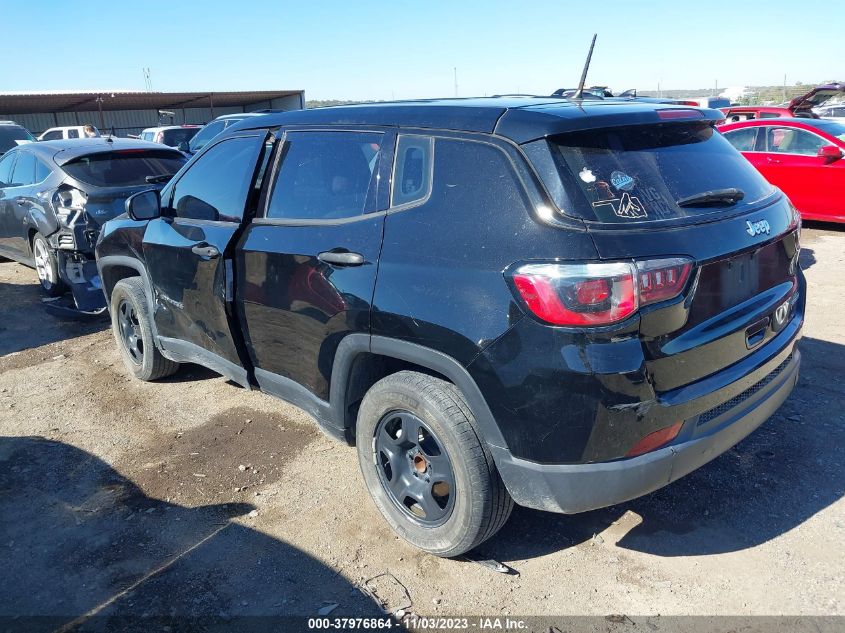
[361, 360]
[114, 268]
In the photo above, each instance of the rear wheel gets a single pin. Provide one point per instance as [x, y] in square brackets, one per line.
[131, 327]
[426, 468]
[47, 266]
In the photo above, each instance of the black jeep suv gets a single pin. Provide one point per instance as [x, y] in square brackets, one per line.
[560, 304]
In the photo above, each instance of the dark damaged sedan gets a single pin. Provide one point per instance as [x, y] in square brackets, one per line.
[55, 196]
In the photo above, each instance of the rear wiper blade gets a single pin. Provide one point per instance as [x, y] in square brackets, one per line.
[159, 178]
[732, 195]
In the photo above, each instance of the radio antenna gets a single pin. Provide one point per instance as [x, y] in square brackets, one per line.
[580, 92]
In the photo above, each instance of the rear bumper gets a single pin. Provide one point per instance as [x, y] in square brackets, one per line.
[571, 488]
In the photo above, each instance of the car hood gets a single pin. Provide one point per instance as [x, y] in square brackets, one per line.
[816, 96]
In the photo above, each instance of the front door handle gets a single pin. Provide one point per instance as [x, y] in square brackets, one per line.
[774, 161]
[206, 251]
[341, 259]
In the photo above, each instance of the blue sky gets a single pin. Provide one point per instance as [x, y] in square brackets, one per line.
[362, 49]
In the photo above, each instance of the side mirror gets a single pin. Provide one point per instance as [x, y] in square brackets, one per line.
[830, 153]
[145, 205]
[183, 146]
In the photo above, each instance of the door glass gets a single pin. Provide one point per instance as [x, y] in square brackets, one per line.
[412, 170]
[326, 175]
[41, 171]
[24, 173]
[742, 139]
[216, 186]
[6, 168]
[73, 133]
[52, 136]
[788, 140]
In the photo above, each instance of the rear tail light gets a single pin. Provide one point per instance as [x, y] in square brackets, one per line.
[598, 294]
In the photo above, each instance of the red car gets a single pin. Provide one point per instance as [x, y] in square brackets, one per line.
[798, 107]
[803, 157]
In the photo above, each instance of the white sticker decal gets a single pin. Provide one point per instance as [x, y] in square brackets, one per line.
[628, 207]
[587, 175]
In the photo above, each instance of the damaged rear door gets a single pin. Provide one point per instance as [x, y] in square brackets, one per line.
[188, 251]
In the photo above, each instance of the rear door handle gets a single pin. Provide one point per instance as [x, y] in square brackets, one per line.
[205, 251]
[341, 259]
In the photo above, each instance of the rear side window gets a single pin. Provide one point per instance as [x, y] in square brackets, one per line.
[41, 171]
[412, 170]
[52, 136]
[174, 137]
[744, 139]
[124, 168]
[639, 173]
[326, 175]
[24, 173]
[215, 187]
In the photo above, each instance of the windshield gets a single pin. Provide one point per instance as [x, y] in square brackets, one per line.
[181, 135]
[639, 173]
[11, 133]
[206, 134]
[834, 128]
[124, 168]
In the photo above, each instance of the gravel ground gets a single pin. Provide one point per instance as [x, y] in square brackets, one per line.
[192, 496]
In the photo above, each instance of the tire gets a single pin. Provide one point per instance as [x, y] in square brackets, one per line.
[130, 318]
[47, 267]
[398, 419]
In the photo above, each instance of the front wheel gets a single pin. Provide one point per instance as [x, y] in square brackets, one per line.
[130, 318]
[426, 468]
[47, 266]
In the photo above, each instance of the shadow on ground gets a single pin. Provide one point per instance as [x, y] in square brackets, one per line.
[788, 470]
[27, 324]
[83, 548]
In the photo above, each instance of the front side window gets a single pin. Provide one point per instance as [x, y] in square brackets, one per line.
[124, 168]
[412, 169]
[641, 173]
[216, 185]
[786, 140]
[6, 165]
[73, 133]
[24, 173]
[326, 175]
[744, 139]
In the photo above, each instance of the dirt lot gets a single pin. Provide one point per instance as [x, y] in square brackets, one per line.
[195, 497]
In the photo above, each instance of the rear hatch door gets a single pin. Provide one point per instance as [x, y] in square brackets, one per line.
[680, 190]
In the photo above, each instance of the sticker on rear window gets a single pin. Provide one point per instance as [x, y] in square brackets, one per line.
[628, 207]
[621, 181]
[587, 175]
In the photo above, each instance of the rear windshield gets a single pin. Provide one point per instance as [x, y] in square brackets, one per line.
[639, 173]
[183, 135]
[11, 133]
[124, 168]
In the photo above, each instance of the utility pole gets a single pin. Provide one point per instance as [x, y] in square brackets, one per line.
[455, 68]
[784, 87]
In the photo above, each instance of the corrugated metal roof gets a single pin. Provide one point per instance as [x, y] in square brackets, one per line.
[16, 103]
